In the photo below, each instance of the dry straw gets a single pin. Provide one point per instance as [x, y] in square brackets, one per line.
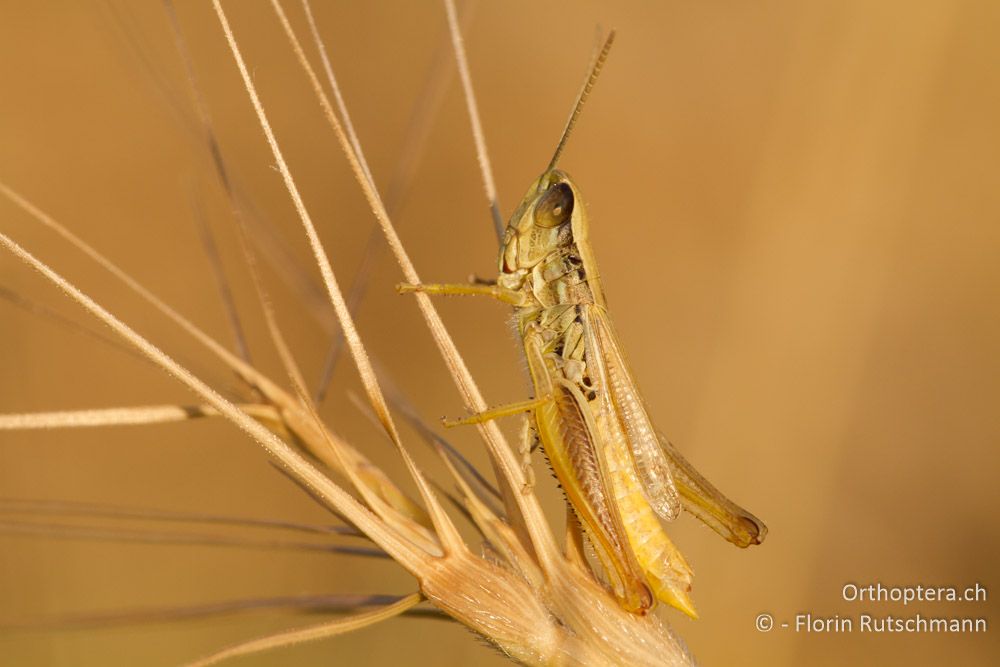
[523, 592]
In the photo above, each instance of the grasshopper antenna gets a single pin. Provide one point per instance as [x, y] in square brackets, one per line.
[581, 98]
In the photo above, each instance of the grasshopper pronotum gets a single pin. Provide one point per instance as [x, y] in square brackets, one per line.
[619, 474]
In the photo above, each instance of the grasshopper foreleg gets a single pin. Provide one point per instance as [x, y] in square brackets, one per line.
[495, 291]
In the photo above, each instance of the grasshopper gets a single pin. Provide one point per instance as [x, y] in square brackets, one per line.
[620, 475]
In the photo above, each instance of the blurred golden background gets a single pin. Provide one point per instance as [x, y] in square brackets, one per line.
[795, 208]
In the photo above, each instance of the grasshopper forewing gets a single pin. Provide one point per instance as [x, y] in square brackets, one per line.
[619, 474]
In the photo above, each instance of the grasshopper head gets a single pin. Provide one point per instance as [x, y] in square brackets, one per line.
[547, 220]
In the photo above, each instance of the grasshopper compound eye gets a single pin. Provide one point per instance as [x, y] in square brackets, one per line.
[555, 206]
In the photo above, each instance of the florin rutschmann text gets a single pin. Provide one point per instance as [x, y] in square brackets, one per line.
[875, 594]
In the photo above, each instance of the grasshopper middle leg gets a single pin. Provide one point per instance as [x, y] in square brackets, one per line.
[507, 410]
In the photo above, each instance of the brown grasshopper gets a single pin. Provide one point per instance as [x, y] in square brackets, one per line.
[620, 475]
